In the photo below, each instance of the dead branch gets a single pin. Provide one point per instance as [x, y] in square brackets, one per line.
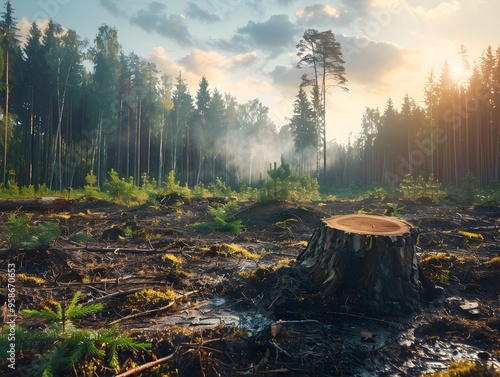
[143, 367]
[157, 310]
[115, 295]
[113, 249]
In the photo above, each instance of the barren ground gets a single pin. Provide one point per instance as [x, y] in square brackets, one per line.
[235, 316]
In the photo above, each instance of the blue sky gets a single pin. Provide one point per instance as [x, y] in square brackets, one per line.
[247, 47]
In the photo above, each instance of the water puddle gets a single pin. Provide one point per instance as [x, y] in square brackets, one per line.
[213, 312]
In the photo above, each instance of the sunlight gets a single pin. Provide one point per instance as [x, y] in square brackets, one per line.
[457, 72]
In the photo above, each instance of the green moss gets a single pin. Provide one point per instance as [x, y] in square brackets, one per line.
[234, 251]
[466, 369]
[152, 296]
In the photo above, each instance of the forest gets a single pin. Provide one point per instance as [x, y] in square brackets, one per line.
[71, 107]
[148, 228]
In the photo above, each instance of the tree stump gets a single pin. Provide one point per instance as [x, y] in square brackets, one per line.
[367, 259]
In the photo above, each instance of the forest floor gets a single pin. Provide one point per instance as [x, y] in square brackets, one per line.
[238, 314]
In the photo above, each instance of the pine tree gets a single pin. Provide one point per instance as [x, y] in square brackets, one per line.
[322, 52]
[303, 130]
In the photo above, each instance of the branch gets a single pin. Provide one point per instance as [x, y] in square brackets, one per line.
[153, 310]
[146, 366]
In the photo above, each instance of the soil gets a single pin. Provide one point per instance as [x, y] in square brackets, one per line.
[239, 316]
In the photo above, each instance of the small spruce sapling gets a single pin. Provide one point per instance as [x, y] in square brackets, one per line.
[71, 348]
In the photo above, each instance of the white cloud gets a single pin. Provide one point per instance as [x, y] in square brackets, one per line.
[317, 13]
[443, 9]
[24, 26]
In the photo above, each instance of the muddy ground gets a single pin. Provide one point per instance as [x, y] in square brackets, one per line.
[235, 315]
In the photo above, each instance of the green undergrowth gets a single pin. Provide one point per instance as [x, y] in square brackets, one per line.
[281, 184]
[223, 220]
[60, 348]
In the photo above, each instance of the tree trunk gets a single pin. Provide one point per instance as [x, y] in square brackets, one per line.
[367, 260]
[47, 203]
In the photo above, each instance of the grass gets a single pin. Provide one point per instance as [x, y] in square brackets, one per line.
[234, 251]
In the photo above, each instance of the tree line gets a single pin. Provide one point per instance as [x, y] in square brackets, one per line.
[62, 119]
[73, 107]
[454, 132]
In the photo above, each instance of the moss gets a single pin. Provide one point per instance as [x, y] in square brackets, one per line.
[261, 273]
[285, 224]
[471, 236]
[466, 369]
[30, 280]
[152, 296]
[171, 260]
[438, 259]
[493, 263]
[234, 251]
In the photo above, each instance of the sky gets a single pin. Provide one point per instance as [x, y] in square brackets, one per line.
[248, 47]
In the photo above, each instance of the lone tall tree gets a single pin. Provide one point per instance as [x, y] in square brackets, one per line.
[321, 52]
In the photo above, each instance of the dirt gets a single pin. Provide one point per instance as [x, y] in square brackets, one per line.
[238, 316]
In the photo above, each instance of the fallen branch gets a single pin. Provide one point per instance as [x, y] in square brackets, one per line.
[112, 249]
[152, 310]
[390, 323]
[143, 367]
[36, 204]
[115, 295]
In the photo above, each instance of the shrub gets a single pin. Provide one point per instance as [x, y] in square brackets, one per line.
[468, 189]
[90, 189]
[19, 234]
[283, 185]
[172, 186]
[223, 220]
[413, 189]
[120, 190]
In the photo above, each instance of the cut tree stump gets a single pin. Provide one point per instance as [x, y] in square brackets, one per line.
[364, 259]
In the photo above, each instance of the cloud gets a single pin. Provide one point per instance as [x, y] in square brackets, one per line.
[159, 56]
[286, 2]
[256, 5]
[214, 66]
[286, 79]
[155, 19]
[194, 11]
[441, 10]
[372, 63]
[257, 86]
[24, 26]
[113, 8]
[274, 34]
[317, 14]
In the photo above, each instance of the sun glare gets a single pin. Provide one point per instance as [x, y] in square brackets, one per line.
[457, 72]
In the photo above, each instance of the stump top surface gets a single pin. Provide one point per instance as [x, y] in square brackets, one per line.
[368, 224]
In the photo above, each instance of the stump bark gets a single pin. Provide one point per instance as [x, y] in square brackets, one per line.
[368, 259]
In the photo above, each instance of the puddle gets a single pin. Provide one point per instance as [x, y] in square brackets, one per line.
[213, 312]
